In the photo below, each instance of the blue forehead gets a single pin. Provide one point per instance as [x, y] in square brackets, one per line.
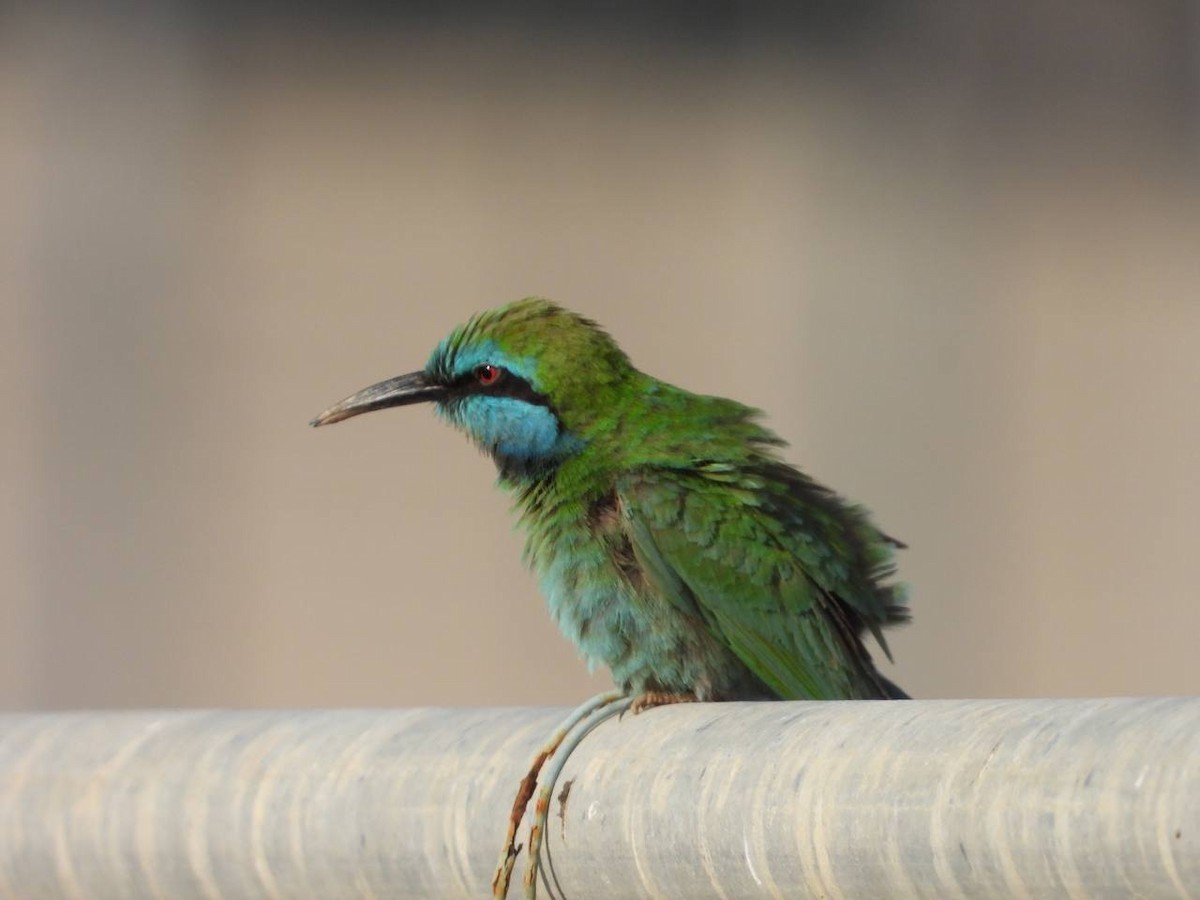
[453, 360]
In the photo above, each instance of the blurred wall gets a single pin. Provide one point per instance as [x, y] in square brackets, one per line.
[954, 250]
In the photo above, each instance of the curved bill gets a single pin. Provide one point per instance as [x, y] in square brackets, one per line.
[403, 390]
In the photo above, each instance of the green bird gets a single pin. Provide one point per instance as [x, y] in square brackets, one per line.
[673, 544]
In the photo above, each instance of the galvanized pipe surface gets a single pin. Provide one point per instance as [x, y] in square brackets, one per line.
[1039, 798]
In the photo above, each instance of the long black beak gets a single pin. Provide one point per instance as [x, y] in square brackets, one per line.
[403, 390]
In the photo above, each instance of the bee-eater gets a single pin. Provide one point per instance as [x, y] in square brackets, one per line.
[672, 543]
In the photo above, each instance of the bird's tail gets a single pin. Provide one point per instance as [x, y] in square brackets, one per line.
[891, 691]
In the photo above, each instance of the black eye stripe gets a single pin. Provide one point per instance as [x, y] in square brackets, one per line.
[506, 385]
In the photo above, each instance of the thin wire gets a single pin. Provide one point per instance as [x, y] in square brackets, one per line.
[508, 854]
[541, 810]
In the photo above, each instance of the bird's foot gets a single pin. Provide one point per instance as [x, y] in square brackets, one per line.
[651, 699]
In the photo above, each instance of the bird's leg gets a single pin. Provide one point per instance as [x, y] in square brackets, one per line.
[508, 854]
[651, 699]
[541, 810]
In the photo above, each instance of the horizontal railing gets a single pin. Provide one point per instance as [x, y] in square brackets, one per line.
[996, 798]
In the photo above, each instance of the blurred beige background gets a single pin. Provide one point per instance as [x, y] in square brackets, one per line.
[953, 249]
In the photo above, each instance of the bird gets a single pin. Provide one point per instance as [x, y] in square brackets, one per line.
[673, 543]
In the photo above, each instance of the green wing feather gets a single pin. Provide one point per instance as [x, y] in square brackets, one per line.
[783, 572]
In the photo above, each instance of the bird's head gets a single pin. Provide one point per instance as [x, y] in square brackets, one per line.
[528, 382]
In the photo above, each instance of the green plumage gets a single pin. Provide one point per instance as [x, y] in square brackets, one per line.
[673, 544]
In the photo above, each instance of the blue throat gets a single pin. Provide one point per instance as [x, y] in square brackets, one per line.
[525, 439]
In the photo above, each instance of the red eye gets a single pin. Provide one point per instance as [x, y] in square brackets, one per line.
[487, 374]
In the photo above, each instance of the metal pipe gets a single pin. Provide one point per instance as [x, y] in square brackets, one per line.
[997, 798]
